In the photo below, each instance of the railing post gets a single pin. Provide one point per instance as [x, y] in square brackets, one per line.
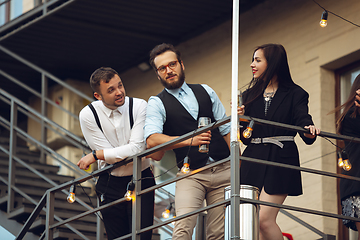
[44, 93]
[234, 148]
[50, 200]
[201, 226]
[136, 204]
[235, 191]
[12, 152]
[99, 224]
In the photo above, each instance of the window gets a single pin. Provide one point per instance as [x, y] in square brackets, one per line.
[346, 81]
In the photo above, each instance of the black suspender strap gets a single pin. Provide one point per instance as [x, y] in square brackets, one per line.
[131, 112]
[131, 102]
[95, 115]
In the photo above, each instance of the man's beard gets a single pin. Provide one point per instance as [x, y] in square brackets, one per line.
[175, 84]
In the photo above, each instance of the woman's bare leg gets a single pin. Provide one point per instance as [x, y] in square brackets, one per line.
[269, 230]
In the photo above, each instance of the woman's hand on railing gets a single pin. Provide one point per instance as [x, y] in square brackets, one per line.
[241, 110]
[313, 131]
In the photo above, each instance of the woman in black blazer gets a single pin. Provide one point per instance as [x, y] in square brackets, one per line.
[349, 124]
[272, 95]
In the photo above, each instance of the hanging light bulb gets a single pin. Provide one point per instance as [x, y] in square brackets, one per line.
[186, 167]
[166, 214]
[129, 191]
[173, 222]
[71, 197]
[347, 165]
[340, 160]
[323, 21]
[248, 131]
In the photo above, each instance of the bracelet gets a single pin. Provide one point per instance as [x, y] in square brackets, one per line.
[94, 154]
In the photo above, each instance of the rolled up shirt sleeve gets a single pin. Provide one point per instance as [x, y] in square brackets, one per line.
[155, 117]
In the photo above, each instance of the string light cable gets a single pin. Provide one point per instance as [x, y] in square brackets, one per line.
[91, 203]
[336, 15]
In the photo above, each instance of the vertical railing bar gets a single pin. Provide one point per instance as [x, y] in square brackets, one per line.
[12, 151]
[234, 148]
[44, 7]
[235, 191]
[136, 213]
[44, 86]
[50, 199]
[99, 223]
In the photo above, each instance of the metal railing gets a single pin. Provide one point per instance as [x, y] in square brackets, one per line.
[16, 106]
[48, 197]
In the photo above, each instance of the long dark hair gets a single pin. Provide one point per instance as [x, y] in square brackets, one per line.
[277, 65]
[350, 102]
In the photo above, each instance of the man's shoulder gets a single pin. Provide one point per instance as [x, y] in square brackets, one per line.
[87, 108]
[86, 112]
[138, 100]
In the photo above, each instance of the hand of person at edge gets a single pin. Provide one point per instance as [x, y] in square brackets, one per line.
[357, 98]
[313, 131]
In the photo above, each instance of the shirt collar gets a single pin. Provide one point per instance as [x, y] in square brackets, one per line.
[121, 109]
[183, 89]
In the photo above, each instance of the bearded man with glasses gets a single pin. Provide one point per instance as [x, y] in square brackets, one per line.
[174, 112]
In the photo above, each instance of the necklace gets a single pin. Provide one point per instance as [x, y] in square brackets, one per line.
[268, 95]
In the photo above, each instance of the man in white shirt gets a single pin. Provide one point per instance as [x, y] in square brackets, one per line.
[117, 134]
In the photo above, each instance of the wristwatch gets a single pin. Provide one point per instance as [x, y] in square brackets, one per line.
[94, 154]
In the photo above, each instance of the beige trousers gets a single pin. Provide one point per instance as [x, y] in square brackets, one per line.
[189, 196]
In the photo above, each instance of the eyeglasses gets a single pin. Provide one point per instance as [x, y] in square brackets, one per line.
[172, 65]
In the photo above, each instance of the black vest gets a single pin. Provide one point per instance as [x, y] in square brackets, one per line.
[179, 122]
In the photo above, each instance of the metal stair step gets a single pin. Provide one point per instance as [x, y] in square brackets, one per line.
[46, 168]
[85, 228]
[22, 173]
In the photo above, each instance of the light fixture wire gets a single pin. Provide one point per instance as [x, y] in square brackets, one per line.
[336, 14]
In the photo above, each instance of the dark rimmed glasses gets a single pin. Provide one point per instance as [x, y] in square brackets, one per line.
[172, 65]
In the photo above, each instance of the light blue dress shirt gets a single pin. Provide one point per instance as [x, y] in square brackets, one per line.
[156, 114]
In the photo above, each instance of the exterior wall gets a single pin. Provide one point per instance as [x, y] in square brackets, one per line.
[313, 53]
[28, 5]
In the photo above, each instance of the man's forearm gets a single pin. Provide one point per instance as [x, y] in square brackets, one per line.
[159, 138]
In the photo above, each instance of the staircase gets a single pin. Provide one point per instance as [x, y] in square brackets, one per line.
[35, 187]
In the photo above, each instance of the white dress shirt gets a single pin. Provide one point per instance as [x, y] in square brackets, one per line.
[117, 140]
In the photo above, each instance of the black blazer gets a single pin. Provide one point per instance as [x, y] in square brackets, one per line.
[351, 127]
[289, 106]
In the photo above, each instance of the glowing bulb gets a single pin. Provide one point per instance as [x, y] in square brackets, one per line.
[185, 169]
[248, 131]
[129, 191]
[128, 195]
[347, 165]
[166, 213]
[340, 160]
[173, 223]
[71, 197]
[323, 21]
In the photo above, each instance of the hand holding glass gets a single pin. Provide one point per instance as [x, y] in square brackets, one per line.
[203, 121]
